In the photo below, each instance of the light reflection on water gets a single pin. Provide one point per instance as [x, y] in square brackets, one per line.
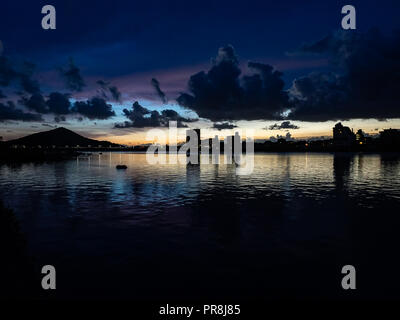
[293, 207]
[93, 189]
[89, 183]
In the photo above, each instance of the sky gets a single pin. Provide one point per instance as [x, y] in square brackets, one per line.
[113, 70]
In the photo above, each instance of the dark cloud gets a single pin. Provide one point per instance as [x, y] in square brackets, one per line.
[156, 85]
[7, 72]
[22, 74]
[115, 93]
[2, 96]
[72, 77]
[222, 94]
[8, 111]
[140, 117]
[103, 89]
[48, 125]
[102, 83]
[95, 108]
[224, 125]
[27, 83]
[57, 103]
[60, 119]
[36, 103]
[364, 83]
[107, 88]
[284, 125]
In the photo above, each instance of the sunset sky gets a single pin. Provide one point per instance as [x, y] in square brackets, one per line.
[265, 63]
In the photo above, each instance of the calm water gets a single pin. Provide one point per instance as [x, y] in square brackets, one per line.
[203, 231]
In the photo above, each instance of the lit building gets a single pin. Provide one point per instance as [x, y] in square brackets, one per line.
[360, 137]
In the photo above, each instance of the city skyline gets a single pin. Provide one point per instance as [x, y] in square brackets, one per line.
[368, 127]
[342, 136]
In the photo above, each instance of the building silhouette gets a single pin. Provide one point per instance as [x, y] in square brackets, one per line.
[390, 137]
[360, 137]
[343, 136]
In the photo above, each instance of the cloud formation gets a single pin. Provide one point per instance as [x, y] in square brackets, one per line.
[223, 94]
[156, 85]
[94, 108]
[364, 83]
[57, 103]
[224, 125]
[72, 77]
[8, 111]
[106, 88]
[284, 125]
[115, 93]
[287, 137]
[60, 119]
[25, 75]
[141, 117]
[21, 74]
[48, 125]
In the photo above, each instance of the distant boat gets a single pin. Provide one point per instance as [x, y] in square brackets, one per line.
[121, 167]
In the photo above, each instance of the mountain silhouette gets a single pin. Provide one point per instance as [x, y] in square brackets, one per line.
[60, 137]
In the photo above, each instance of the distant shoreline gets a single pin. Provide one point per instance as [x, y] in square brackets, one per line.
[44, 155]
